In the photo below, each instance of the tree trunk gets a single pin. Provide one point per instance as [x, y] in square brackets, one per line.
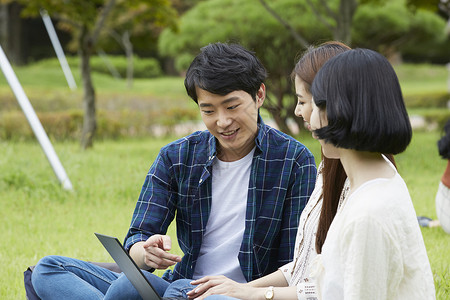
[276, 110]
[343, 30]
[89, 120]
[12, 33]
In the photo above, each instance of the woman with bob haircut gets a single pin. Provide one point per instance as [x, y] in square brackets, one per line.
[374, 247]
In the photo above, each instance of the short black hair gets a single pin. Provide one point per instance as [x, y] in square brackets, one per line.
[444, 142]
[224, 68]
[364, 104]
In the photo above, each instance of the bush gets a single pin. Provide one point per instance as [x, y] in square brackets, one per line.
[437, 117]
[432, 107]
[436, 100]
[67, 125]
[142, 67]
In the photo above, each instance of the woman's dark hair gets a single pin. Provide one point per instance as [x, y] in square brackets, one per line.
[444, 142]
[332, 172]
[224, 68]
[364, 104]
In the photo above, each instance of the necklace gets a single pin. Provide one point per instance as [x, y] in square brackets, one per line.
[344, 195]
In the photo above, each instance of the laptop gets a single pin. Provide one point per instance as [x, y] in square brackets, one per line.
[130, 269]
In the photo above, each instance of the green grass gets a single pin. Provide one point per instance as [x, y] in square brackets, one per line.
[39, 218]
[45, 83]
[422, 78]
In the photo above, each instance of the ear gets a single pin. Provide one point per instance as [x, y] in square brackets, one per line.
[260, 95]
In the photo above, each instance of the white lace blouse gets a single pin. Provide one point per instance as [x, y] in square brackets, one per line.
[297, 271]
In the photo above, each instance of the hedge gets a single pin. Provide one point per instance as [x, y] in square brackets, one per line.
[67, 125]
[142, 67]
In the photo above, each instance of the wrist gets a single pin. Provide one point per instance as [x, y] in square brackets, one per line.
[259, 293]
[137, 253]
[269, 293]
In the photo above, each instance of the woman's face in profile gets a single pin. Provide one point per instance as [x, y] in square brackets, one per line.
[304, 101]
[319, 120]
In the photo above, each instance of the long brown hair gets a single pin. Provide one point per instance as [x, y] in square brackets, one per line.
[333, 173]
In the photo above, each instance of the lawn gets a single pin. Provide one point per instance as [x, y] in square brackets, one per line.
[39, 218]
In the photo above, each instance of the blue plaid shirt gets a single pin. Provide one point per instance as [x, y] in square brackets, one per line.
[283, 174]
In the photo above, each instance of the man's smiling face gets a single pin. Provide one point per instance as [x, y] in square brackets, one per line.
[232, 119]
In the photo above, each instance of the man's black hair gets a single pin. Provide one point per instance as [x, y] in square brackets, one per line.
[223, 68]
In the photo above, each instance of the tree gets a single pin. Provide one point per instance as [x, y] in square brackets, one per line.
[442, 6]
[249, 24]
[393, 28]
[86, 19]
[270, 33]
[337, 16]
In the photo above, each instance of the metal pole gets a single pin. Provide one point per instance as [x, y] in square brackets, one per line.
[58, 49]
[35, 124]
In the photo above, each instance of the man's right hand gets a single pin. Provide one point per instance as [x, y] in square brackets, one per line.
[156, 253]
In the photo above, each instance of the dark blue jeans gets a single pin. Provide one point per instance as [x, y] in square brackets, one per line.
[58, 277]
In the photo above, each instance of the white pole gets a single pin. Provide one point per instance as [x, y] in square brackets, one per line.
[35, 124]
[58, 49]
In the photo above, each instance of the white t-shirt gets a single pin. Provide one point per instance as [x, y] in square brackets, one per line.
[225, 228]
[374, 248]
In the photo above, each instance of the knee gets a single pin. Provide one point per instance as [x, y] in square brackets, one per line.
[44, 265]
[122, 288]
[179, 288]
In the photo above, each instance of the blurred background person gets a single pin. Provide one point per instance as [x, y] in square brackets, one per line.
[443, 193]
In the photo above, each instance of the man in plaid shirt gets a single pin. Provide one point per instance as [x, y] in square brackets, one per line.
[236, 190]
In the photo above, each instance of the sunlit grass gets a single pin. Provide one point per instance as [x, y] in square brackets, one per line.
[39, 218]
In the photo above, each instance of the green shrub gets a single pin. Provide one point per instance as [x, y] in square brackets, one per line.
[142, 67]
[67, 125]
[430, 100]
[183, 61]
[14, 126]
[440, 118]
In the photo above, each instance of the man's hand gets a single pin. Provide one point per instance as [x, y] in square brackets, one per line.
[156, 253]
